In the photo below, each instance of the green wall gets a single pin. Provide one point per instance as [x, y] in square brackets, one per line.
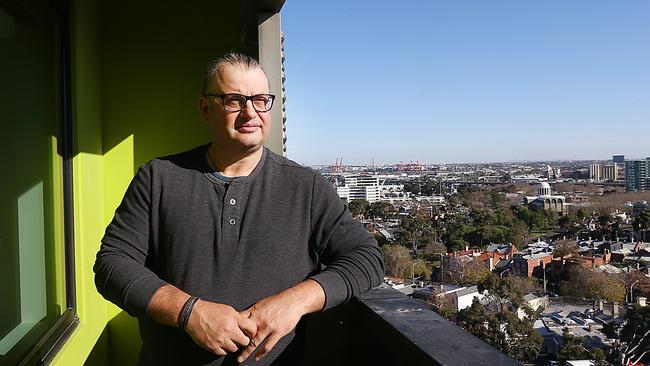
[137, 69]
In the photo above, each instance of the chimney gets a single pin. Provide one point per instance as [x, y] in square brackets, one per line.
[466, 247]
[490, 263]
[615, 309]
[600, 305]
[641, 301]
[591, 328]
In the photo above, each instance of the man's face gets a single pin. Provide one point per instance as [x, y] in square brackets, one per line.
[244, 130]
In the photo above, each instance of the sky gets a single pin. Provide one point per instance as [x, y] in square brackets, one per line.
[466, 80]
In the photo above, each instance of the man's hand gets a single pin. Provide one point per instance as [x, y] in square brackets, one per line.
[279, 314]
[219, 328]
[216, 327]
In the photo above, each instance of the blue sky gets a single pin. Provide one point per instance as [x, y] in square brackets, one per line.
[466, 81]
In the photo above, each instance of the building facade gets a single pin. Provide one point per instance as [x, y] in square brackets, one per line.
[637, 175]
[545, 200]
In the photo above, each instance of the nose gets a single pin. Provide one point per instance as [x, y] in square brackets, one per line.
[249, 110]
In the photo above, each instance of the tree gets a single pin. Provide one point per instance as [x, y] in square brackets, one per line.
[380, 209]
[397, 260]
[644, 220]
[417, 231]
[572, 348]
[433, 249]
[564, 248]
[633, 335]
[598, 285]
[464, 272]
[497, 325]
[358, 207]
[583, 213]
[569, 223]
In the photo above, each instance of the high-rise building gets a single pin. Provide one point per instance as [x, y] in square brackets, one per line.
[637, 175]
[618, 159]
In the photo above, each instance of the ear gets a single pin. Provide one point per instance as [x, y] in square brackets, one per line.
[204, 108]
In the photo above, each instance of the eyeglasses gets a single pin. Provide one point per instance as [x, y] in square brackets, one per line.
[233, 102]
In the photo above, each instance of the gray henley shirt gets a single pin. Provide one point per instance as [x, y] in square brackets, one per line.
[230, 242]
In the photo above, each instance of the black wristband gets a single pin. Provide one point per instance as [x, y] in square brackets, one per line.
[186, 311]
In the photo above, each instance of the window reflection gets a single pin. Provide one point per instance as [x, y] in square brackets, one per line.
[31, 192]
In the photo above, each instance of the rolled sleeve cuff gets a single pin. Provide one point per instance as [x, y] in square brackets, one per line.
[140, 293]
[334, 286]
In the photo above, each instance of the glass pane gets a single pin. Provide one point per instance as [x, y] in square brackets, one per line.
[31, 191]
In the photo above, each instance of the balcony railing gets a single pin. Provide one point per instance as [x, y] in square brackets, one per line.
[385, 327]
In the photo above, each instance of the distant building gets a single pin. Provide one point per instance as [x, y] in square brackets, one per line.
[618, 159]
[360, 187]
[601, 172]
[457, 298]
[545, 200]
[637, 175]
[610, 171]
[595, 171]
[639, 207]
[526, 265]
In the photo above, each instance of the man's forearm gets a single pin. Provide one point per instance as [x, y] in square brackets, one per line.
[309, 294]
[166, 304]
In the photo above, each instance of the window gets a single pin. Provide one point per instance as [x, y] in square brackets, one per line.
[36, 277]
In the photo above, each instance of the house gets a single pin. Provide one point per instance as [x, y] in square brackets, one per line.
[456, 297]
[526, 265]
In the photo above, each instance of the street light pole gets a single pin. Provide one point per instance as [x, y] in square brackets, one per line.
[631, 291]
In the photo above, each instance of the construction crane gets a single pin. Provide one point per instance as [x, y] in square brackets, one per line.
[337, 166]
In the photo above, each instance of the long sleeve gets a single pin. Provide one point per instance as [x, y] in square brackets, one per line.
[120, 272]
[354, 263]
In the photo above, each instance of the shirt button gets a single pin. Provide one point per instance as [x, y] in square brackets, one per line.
[232, 201]
[232, 221]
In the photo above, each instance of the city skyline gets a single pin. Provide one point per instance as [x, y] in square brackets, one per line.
[466, 82]
[433, 162]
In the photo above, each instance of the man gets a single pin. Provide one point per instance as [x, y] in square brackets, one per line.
[219, 251]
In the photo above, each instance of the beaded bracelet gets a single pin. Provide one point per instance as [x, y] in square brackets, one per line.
[186, 311]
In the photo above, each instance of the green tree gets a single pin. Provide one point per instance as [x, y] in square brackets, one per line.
[644, 220]
[572, 348]
[417, 231]
[583, 213]
[497, 325]
[383, 210]
[455, 235]
[358, 207]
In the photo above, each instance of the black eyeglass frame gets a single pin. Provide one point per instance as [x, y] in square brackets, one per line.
[246, 97]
